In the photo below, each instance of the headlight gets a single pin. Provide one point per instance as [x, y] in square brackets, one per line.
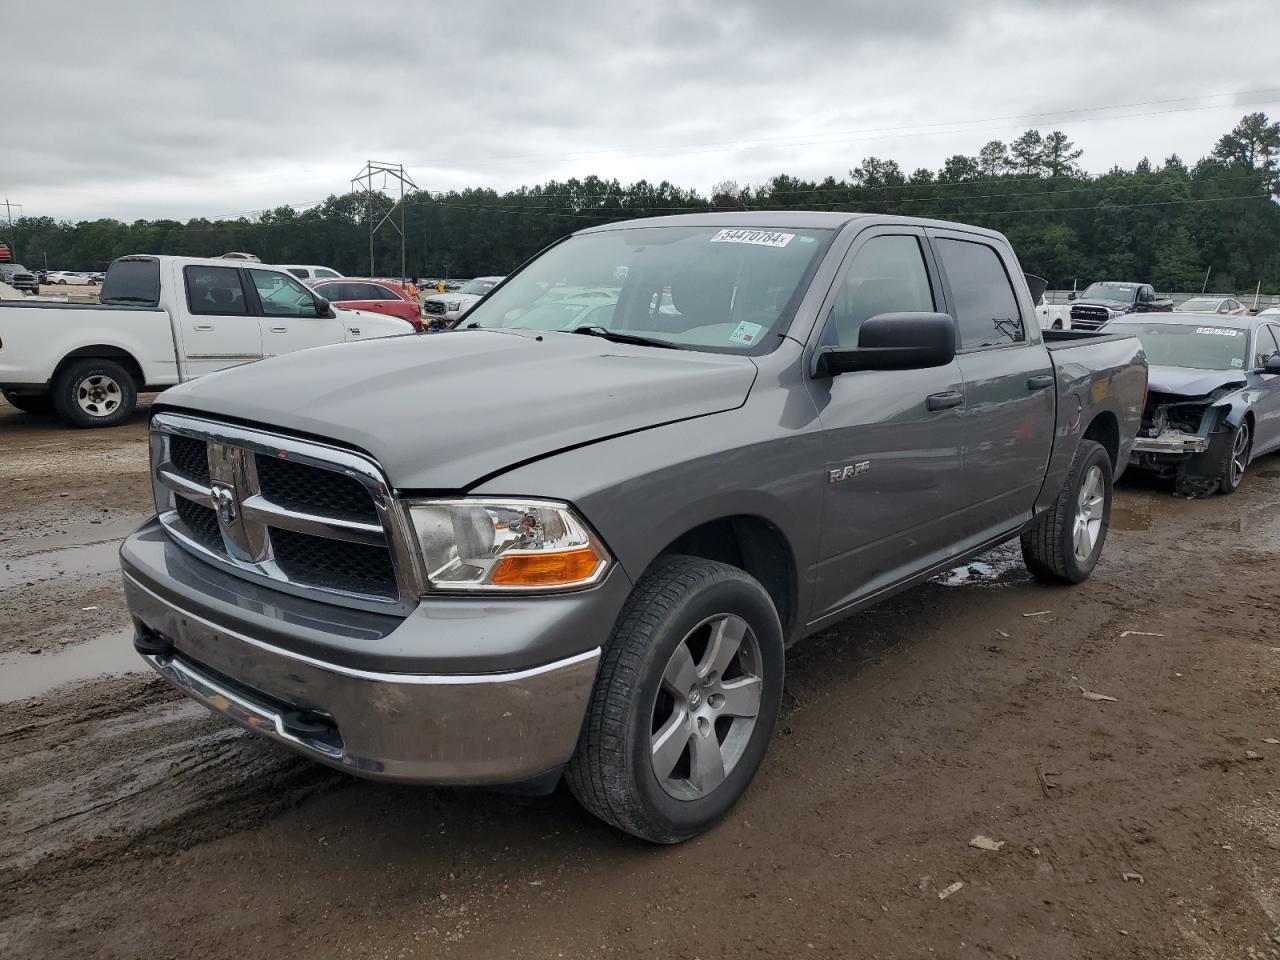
[506, 545]
[453, 305]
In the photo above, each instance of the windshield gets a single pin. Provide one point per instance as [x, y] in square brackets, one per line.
[1198, 305]
[1184, 345]
[1111, 291]
[478, 287]
[701, 288]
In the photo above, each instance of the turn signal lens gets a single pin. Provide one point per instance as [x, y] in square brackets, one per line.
[546, 569]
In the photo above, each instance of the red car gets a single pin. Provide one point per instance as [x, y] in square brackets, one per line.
[376, 296]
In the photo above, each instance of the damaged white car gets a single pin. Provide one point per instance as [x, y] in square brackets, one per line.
[1213, 397]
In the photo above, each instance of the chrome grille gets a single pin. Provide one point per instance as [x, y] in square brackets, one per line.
[434, 307]
[302, 517]
[1089, 318]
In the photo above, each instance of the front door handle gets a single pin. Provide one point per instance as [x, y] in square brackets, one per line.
[279, 329]
[1040, 382]
[944, 401]
[204, 326]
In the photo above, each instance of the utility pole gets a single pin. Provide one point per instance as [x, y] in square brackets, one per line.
[8, 212]
[374, 202]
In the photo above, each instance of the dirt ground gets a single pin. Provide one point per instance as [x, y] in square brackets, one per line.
[133, 824]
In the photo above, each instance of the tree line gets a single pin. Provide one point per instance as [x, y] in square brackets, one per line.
[1165, 223]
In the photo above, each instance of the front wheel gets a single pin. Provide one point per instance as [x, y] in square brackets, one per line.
[684, 704]
[1231, 474]
[1065, 546]
[94, 393]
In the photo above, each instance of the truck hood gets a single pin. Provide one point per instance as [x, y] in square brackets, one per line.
[445, 297]
[442, 412]
[1190, 381]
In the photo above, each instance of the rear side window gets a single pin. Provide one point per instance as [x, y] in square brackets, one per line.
[322, 272]
[985, 307]
[377, 292]
[215, 290]
[300, 272]
[1268, 343]
[133, 280]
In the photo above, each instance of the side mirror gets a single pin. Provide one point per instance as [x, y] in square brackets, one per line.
[322, 305]
[893, 341]
[1071, 295]
[1273, 364]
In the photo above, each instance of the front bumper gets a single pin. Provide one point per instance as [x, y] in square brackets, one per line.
[409, 723]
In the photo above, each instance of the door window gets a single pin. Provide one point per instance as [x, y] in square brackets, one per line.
[282, 296]
[215, 290]
[374, 291]
[887, 275]
[1268, 344]
[985, 307]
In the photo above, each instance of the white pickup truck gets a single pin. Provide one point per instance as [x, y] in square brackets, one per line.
[162, 321]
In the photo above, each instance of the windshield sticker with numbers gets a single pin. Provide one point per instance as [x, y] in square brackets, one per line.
[761, 238]
[1220, 331]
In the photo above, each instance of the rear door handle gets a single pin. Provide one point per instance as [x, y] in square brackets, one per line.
[1040, 382]
[944, 401]
[279, 329]
[204, 326]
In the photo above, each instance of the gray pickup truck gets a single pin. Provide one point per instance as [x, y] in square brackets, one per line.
[536, 547]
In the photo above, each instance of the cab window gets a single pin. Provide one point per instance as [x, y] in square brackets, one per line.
[282, 295]
[887, 275]
[985, 307]
[215, 290]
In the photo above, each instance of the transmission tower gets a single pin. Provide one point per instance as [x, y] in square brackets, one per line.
[375, 202]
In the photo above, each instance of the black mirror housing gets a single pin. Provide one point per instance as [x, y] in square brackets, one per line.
[1273, 364]
[322, 305]
[1071, 295]
[893, 341]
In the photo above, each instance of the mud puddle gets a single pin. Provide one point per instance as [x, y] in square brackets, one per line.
[77, 562]
[24, 675]
[72, 533]
[1130, 516]
[1000, 566]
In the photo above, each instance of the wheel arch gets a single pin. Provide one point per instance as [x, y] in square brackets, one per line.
[103, 351]
[753, 544]
[1104, 428]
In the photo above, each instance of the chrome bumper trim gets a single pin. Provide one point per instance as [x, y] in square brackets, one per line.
[1171, 443]
[421, 728]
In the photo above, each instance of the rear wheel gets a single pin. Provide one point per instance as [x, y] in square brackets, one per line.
[94, 393]
[685, 702]
[40, 404]
[1065, 546]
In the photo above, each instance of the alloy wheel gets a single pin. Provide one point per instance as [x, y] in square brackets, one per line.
[1090, 507]
[706, 708]
[98, 395]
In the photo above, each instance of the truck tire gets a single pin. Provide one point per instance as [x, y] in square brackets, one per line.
[38, 404]
[1235, 459]
[684, 703]
[94, 393]
[1065, 545]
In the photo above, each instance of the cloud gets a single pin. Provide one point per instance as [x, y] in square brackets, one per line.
[173, 109]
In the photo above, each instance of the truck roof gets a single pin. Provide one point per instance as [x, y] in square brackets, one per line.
[202, 261]
[781, 219]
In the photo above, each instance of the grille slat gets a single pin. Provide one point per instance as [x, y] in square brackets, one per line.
[307, 489]
[335, 564]
[190, 457]
[202, 524]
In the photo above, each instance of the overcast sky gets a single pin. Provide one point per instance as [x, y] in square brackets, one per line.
[172, 108]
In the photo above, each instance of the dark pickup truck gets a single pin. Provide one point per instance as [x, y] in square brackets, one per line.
[1105, 301]
[533, 548]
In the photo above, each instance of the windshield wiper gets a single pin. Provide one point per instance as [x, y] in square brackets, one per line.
[615, 336]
